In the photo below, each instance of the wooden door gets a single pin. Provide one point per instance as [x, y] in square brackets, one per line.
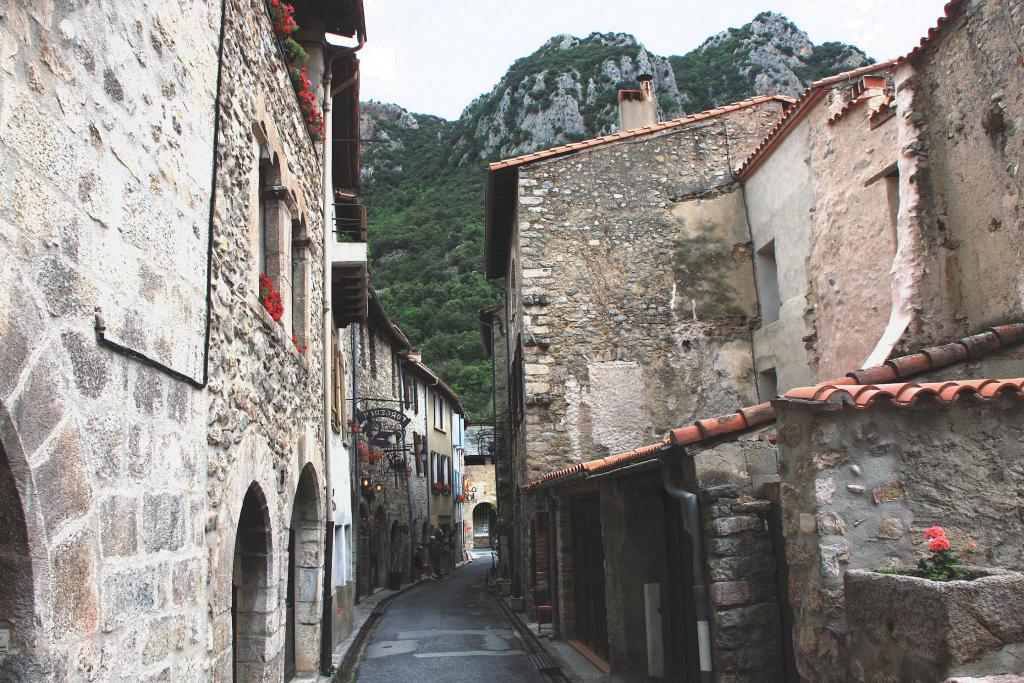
[588, 574]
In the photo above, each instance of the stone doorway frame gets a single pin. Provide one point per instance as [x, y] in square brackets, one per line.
[253, 603]
[303, 574]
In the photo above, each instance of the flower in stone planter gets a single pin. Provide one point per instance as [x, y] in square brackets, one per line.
[941, 565]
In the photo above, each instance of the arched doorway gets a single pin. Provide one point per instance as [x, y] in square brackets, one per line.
[484, 523]
[250, 588]
[304, 552]
[16, 606]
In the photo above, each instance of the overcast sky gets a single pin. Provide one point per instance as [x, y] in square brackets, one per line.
[435, 56]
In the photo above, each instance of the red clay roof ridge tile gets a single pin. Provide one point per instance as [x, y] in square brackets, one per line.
[906, 394]
[636, 132]
[866, 383]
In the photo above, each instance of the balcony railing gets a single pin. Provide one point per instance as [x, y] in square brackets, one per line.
[349, 222]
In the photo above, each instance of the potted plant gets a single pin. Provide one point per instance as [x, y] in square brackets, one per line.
[939, 620]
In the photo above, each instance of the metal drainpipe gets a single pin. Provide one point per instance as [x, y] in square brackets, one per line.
[691, 522]
[356, 488]
[325, 370]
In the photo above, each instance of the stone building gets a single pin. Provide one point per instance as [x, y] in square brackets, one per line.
[162, 451]
[602, 321]
[480, 487]
[382, 451]
[832, 256]
[436, 486]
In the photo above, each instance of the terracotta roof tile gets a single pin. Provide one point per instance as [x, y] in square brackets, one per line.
[951, 10]
[902, 395]
[636, 132]
[863, 385]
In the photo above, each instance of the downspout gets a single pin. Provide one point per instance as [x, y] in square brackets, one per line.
[408, 468]
[356, 480]
[691, 522]
[326, 629]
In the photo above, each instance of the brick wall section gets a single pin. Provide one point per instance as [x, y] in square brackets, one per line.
[746, 630]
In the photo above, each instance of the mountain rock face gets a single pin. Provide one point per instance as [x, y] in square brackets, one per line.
[565, 91]
[770, 55]
[423, 176]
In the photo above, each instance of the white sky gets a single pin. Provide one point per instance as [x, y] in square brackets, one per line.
[435, 56]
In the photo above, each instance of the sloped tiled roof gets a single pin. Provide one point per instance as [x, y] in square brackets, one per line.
[951, 10]
[753, 417]
[904, 394]
[636, 132]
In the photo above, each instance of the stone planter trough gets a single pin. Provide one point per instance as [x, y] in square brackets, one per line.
[917, 629]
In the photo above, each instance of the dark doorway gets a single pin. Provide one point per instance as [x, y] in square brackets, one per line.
[591, 626]
[16, 570]
[250, 588]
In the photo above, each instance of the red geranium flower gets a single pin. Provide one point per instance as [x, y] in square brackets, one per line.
[935, 532]
[940, 543]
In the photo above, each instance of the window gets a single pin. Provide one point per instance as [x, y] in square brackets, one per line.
[767, 277]
[418, 454]
[372, 344]
[439, 412]
[337, 386]
[767, 384]
[516, 388]
[300, 282]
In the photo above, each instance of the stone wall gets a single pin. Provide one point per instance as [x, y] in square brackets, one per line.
[746, 626]
[482, 478]
[961, 134]
[106, 131]
[266, 420]
[859, 488]
[378, 383]
[618, 289]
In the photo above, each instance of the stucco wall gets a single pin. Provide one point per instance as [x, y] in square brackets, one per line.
[780, 202]
[859, 488]
[822, 195]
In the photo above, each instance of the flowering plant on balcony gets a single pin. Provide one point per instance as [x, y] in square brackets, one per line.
[443, 489]
[369, 453]
[270, 298]
[299, 346]
[307, 101]
[282, 16]
[461, 498]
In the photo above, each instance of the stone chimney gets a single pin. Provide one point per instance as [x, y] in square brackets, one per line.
[638, 108]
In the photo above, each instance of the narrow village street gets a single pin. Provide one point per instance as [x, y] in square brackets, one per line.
[448, 630]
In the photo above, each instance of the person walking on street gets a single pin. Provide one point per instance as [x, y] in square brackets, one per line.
[434, 553]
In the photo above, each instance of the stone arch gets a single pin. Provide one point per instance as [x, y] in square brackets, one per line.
[253, 600]
[484, 517]
[303, 588]
[17, 606]
[25, 556]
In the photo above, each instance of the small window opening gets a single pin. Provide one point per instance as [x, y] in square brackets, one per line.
[767, 283]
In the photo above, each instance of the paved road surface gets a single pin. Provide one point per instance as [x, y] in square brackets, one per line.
[447, 631]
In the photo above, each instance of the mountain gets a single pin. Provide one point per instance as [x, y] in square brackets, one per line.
[423, 175]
